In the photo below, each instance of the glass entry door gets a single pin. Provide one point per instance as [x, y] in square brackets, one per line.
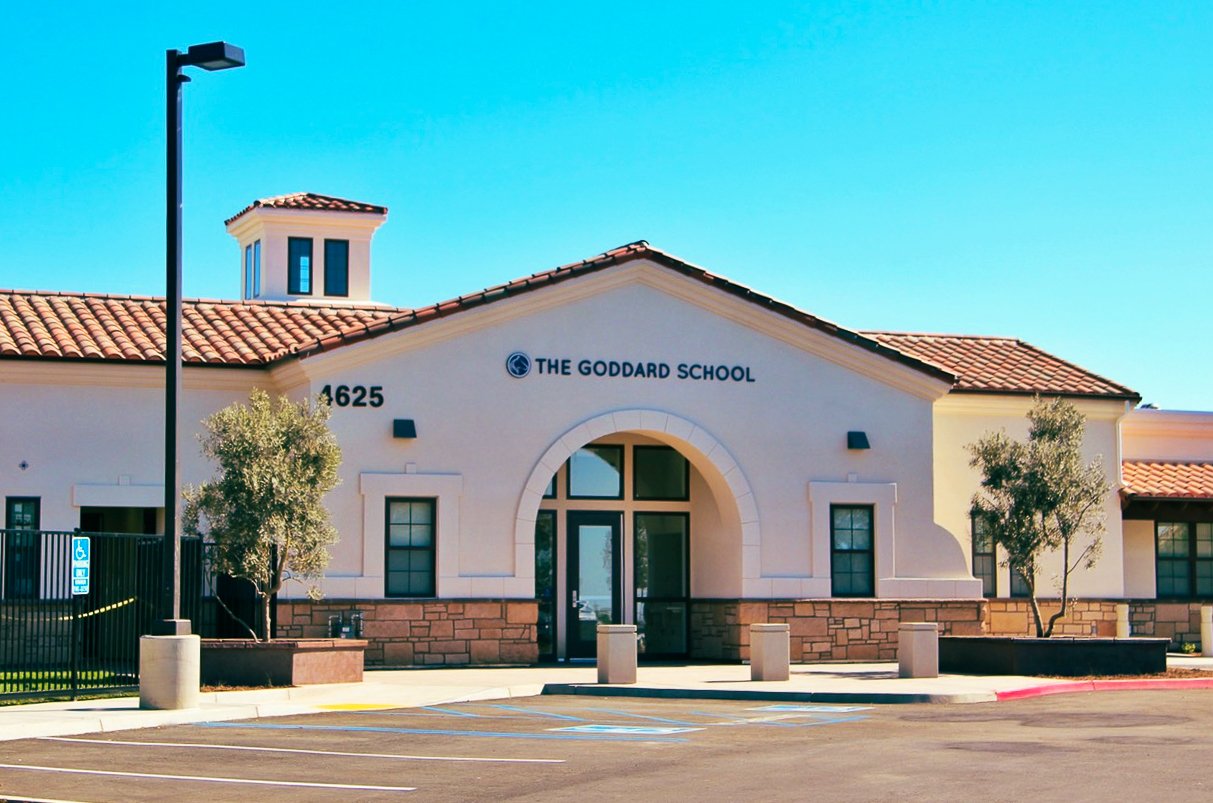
[593, 578]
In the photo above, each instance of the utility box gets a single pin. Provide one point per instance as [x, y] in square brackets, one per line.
[770, 652]
[918, 650]
[616, 653]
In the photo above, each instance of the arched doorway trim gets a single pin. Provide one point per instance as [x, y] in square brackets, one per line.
[703, 449]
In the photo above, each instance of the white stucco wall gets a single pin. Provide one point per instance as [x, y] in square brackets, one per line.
[781, 432]
[1167, 435]
[961, 419]
[769, 456]
[94, 434]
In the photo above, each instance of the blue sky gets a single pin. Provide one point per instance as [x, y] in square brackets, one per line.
[1041, 170]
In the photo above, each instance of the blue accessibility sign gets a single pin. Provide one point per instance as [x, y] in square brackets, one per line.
[81, 560]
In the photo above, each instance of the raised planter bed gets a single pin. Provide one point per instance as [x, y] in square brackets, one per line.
[1061, 656]
[283, 662]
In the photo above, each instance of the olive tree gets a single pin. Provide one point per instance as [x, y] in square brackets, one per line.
[1039, 497]
[263, 512]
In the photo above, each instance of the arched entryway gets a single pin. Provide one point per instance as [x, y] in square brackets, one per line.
[625, 518]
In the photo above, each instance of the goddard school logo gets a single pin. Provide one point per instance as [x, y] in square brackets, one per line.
[518, 364]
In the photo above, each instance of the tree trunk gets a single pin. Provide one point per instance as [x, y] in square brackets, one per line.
[264, 615]
[1065, 586]
[1036, 618]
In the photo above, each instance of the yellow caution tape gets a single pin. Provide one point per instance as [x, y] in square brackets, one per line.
[106, 609]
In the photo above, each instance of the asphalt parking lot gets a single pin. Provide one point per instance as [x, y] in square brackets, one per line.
[1109, 746]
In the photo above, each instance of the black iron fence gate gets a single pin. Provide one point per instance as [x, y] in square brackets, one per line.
[56, 643]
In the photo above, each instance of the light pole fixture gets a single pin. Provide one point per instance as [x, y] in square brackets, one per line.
[210, 56]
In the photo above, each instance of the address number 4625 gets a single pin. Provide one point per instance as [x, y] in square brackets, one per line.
[354, 395]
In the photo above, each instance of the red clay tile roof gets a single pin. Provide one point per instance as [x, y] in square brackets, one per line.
[1150, 479]
[1002, 365]
[311, 200]
[131, 328]
[123, 328]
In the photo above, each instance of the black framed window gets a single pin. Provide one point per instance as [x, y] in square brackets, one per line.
[545, 583]
[411, 547]
[248, 271]
[256, 269]
[985, 568]
[336, 267]
[550, 491]
[852, 564]
[1019, 586]
[22, 550]
[1184, 559]
[596, 472]
[660, 473]
[661, 564]
[299, 266]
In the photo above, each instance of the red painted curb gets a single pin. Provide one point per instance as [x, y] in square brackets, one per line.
[1155, 684]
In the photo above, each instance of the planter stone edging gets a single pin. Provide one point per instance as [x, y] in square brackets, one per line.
[282, 662]
[1060, 655]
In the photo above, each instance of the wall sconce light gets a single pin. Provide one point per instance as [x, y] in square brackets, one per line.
[858, 440]
[404, 428]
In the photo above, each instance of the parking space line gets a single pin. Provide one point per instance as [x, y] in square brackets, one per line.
[814, 709]
[420, 713]
[439, 732]
[251, 748]
[210, 779]
[538, 713]
[739, 719]
[450, 711]
[617, 712]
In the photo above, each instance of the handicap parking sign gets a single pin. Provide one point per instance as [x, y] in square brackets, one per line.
[81, 559]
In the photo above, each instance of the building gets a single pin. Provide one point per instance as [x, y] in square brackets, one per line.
[628, 438]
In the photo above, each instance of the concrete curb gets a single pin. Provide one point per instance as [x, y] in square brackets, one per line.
[1079, 686]
[872, 698]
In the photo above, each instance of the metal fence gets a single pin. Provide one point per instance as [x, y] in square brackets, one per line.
[54, 643]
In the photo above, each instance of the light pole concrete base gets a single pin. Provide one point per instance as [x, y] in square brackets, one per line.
[169, 671]
[770, 651]
[616, 653]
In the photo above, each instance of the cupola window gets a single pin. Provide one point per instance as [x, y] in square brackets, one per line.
[299, 266]
[336, 267]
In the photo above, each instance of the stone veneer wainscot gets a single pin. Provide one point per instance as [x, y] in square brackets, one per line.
[426, 632]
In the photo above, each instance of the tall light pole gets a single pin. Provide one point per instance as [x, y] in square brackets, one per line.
[211, 56]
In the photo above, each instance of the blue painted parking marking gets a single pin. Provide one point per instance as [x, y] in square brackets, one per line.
[628, 729]
[619, 713]
[539, 713]
[591, 736]
[780, 719]
[450, 711]
[738, 719]
[815, 709]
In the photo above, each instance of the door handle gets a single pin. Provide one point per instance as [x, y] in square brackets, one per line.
[574, 598]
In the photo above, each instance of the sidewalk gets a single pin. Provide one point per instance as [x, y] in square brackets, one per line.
[875, 683]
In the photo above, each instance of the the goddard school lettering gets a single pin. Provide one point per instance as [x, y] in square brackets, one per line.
[626, 369]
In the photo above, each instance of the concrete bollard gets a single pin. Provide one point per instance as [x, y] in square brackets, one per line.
[170, 671]
[918, 650]
[1122, 620]
[616, 653]
[770, 651]
[1206, 631]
